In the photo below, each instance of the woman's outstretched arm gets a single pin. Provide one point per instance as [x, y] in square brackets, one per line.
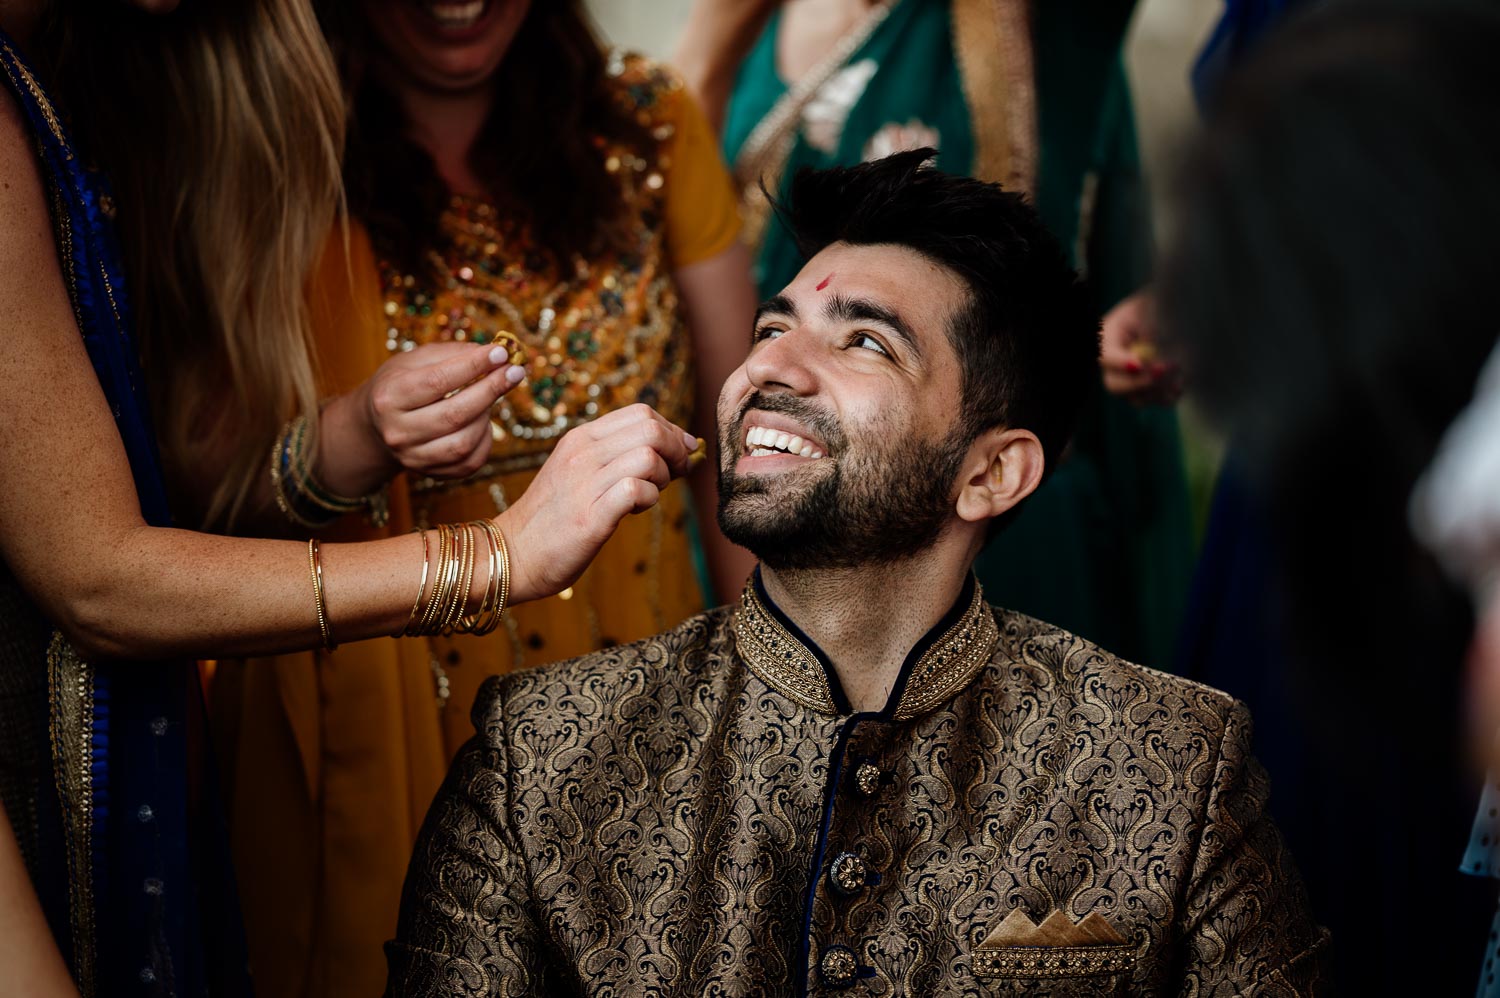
[71, 528]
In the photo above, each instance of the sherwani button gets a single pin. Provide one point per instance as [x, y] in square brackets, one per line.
[867, 779]
[838, 968]
[848, 873]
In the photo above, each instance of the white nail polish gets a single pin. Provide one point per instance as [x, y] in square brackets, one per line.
[515, 374]
[499, 355]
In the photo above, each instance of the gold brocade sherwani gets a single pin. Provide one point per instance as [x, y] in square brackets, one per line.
[701, 814]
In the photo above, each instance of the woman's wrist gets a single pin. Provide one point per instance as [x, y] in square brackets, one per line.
[525, 585]
[351, 458]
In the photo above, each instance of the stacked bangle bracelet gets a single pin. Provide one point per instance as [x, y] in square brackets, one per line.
[443, 600]
[442, 603]
[301, 497]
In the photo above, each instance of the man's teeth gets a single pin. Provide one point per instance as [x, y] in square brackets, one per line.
[456, 15]
[763, 440]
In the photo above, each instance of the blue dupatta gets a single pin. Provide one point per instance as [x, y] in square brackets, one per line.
[149, 906]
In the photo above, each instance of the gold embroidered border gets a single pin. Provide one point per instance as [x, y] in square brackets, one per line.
[786, 665]
[780, 660]
[993, 45]
[22, 77]
[1053, 961]
[952, 661]
[70, 682]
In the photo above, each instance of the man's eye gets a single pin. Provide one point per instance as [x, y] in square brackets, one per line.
[864, 341]
[768, 333]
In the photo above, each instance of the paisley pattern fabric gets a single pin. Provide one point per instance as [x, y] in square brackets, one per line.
[663, 819]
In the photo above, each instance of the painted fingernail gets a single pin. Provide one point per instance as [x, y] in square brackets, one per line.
[514, 374]
[499, 355]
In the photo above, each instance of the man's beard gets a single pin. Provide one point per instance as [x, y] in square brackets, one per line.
[873, 508]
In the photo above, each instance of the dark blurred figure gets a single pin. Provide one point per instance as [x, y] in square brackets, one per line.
[1331, 289]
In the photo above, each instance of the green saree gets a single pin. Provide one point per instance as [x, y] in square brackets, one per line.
[1033, 96]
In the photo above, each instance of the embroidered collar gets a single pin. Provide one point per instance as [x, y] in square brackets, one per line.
[938, 666]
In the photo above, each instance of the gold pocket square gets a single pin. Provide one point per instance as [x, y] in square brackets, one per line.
[1058, 947]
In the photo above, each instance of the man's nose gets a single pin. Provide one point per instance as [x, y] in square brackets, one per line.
[785, 364]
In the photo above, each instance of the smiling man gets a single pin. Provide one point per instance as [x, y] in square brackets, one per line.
[862, 777]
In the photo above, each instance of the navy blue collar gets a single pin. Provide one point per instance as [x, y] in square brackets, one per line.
[944, 661]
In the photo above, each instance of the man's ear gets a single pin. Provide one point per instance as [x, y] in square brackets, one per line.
[1002, 468]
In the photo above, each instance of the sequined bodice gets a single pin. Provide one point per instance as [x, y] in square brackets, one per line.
[593, 334]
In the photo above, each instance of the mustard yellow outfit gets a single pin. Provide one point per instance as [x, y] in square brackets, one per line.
[333, 758]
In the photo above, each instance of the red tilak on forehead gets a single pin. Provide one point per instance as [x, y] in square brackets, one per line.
[820, 287]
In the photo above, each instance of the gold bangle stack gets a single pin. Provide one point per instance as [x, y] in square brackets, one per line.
[497, 592]
[443, 606]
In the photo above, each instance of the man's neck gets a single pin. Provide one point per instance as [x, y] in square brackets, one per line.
[867, 620]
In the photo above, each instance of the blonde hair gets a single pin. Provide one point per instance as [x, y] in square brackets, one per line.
[221, 127]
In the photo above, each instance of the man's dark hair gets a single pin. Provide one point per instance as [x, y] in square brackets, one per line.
[1028, 340]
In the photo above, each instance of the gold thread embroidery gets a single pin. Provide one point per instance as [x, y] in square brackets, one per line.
[64, 230]
[594, 334]
[70, 682]
[780, 660]
[642, 800]
[21, 77]
[788, 666]
[1053, 961]
[952, 661]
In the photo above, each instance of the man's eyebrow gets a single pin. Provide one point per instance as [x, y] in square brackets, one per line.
[865, 310]
[777, 305]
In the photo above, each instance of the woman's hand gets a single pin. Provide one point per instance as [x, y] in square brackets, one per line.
[1128, 355]
[430, 407]
[426, 410]
[597, 475]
